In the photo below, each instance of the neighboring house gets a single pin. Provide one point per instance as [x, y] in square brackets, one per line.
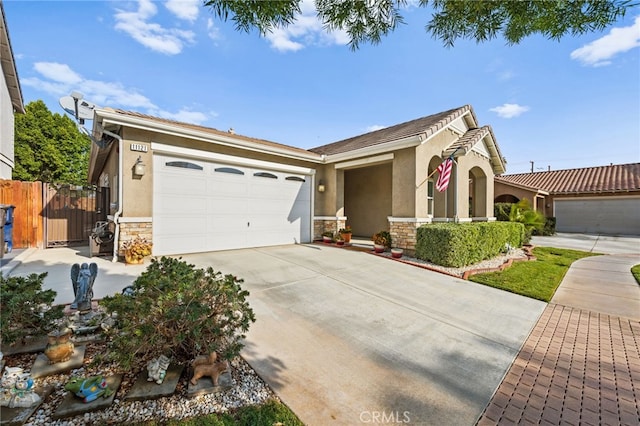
[10, 99]
[203, 189]
[599, 200]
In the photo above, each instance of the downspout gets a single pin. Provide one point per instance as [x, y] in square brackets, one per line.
[455, 193]
[116, 216]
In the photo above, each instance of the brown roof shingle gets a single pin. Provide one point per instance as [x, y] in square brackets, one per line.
[613, 178]
[428, 125]
[209, 130]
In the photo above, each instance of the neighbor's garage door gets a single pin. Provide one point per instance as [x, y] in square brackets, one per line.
[611, 215]
[205, 206]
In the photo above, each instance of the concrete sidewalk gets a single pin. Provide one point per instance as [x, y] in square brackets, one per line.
[581, 363]
[57, 262]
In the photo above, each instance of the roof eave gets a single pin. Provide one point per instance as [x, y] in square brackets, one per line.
[407, 142]
[9, 67]
[113, 117]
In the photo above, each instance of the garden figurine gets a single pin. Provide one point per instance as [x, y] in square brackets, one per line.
[89, 389]
[157, 369]
[82, 278]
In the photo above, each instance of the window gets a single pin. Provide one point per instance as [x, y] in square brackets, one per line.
[430, 189]
[265, 175]
[183, 164]
[294, 178]
[230, 170]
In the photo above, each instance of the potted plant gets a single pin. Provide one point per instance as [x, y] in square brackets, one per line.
[339, 239]
[327, 237]
[135, 250]
[381, 241]
[345, 233]
[396, 253]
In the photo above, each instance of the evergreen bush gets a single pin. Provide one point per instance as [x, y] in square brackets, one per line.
[177, 310]
[26, 309]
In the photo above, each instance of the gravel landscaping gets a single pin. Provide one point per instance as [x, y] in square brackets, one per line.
[248, 389]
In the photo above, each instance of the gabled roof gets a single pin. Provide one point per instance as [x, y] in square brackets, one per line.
[425, 125]
[613, 178]
[9, 66]
[470, 139]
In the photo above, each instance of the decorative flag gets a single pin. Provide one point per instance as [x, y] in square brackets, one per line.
[445, 174]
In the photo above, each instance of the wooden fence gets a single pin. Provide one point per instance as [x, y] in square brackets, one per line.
[48, 215]
[28, 223]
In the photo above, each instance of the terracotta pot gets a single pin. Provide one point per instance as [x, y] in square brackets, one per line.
[59, 347]
[346, 237]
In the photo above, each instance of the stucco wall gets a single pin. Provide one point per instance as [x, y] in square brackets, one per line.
[404, 183]
[368, 201]
[6, 130]
[483, 175]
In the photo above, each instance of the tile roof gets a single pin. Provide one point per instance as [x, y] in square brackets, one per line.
[209, 130]
[613, 178]
[427, 125]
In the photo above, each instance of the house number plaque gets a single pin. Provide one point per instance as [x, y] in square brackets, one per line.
[139, 147]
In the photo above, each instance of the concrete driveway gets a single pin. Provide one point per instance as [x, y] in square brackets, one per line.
[344, 337]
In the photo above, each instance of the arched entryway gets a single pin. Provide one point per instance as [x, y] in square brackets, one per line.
[477, 192]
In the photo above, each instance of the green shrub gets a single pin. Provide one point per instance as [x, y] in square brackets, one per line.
[461, 244]
[532, 220]
[501, 211]
[179, 311]
[25, 309]
[549, 227]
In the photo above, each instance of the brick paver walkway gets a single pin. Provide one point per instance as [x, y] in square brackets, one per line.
[576, 368]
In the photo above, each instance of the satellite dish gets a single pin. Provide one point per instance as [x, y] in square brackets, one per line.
[77, 107]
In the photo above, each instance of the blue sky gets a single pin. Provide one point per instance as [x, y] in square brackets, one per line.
[573, 103]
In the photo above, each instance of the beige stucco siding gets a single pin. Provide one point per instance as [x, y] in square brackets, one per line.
[6, 130]
[403, 183]
[483, 177]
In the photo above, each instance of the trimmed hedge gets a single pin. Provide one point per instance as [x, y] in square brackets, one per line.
[461, 244]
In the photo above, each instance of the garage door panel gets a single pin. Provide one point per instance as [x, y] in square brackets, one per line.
[610, 215]
[223, 210]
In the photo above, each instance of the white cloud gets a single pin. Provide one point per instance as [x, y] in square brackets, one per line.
[60, 80]
[506, 75]
[306, 30]
[186, 116]
[599, 52]
[375, 127]
[509, 110]
[60, 73]
[212, 31]
[184, 9]
[170, 41]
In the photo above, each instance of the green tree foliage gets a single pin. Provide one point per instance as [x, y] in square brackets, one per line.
[26, 309]
[481, 20]
[175, 309]
[49, 147]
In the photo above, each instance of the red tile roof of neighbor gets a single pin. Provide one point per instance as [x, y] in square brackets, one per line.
[613, 178]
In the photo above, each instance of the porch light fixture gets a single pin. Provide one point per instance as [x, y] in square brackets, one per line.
[139, 167]
[321, 187]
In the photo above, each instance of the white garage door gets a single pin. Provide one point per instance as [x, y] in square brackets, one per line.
[206, 206]
[611, 215]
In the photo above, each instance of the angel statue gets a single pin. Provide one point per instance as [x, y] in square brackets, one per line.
[82, 278]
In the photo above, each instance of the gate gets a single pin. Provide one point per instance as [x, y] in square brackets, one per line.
[70, 214]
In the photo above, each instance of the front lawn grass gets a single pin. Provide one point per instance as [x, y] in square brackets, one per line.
[270, 413]
[636, 273]
[537, 279]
